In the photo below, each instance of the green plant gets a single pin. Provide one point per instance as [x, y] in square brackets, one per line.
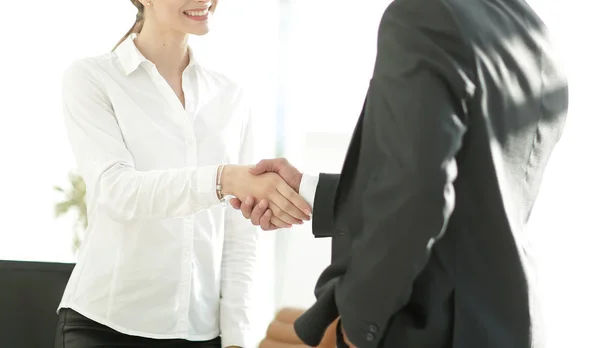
[74, 199]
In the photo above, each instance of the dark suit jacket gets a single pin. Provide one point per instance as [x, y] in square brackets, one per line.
[464, 108]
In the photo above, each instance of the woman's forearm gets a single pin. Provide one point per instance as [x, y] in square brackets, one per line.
[130, 194]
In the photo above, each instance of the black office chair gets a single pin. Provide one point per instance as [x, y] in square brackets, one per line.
[29, 295]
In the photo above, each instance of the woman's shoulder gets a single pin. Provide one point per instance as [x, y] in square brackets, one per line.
[90, 66]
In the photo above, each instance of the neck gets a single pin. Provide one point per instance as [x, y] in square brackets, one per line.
[167, 50]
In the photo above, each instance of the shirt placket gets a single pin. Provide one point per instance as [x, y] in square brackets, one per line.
[191, 156]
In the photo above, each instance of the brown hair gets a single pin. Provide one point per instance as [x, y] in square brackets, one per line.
[139, 22]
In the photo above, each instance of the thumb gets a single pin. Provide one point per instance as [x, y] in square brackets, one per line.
[235, 203]
[256, 169]
[263, 167]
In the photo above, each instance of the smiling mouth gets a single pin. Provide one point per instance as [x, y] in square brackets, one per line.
[197, 13]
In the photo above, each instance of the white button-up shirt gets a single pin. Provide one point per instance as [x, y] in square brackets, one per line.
[162, 258]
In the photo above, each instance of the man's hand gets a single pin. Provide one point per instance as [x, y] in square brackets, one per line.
[281, 166]
[259, 212]
[346, 340]
[283, 200]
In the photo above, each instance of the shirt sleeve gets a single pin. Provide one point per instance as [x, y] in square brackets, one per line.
[308, 188]
[107, 166]
[238, 264]
[413, 125]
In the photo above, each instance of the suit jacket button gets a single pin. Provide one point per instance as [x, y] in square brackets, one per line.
[373, 328]
[370, 337]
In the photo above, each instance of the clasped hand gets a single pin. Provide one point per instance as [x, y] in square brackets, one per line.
[259, 210]
[284, 204]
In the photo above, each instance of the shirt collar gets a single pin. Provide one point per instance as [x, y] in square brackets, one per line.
[131, 58]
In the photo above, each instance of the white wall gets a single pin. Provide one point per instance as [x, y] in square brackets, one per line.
[329, 53]
[302, 257]
[565, 217]
[33, 145]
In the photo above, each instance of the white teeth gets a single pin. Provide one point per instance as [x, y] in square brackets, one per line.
[196, 13]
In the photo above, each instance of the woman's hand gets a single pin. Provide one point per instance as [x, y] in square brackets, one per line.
[286, 205]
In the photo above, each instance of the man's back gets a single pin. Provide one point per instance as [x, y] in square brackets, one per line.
[515, 118]
[465, 106]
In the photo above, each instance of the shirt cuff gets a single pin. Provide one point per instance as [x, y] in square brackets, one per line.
[206, 184]
[235, 337]
[308, 188]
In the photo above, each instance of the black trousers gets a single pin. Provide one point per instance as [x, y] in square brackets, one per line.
[76, 331]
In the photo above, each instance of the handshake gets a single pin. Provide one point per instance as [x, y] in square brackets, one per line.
[267, 193]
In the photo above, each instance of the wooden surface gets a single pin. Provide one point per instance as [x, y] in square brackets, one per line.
[281, 334]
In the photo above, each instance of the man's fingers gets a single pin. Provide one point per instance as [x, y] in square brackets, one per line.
[262, 167]
[257, 169]
[247, 207]
[268, 165]
[265, 221]
[258, 211]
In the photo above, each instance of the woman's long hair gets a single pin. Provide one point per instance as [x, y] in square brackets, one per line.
[137, 26]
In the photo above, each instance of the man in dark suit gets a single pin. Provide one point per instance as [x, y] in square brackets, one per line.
[465, 105]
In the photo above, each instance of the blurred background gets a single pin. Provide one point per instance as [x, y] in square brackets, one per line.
[307, 65]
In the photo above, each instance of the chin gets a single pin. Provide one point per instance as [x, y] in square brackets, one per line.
[199, 30]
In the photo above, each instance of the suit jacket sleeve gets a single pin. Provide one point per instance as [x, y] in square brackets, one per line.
[323, 206]
[413, 123]
[323, 223]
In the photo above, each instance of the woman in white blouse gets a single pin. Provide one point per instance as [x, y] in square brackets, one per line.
[165, 263]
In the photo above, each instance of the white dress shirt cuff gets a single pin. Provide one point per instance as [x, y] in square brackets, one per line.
[308, 188]
[206, 184]
[235, 337]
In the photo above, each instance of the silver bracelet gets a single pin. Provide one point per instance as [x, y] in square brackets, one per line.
[220, 195]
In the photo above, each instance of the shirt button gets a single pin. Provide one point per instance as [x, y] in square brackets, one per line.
[370, 337]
